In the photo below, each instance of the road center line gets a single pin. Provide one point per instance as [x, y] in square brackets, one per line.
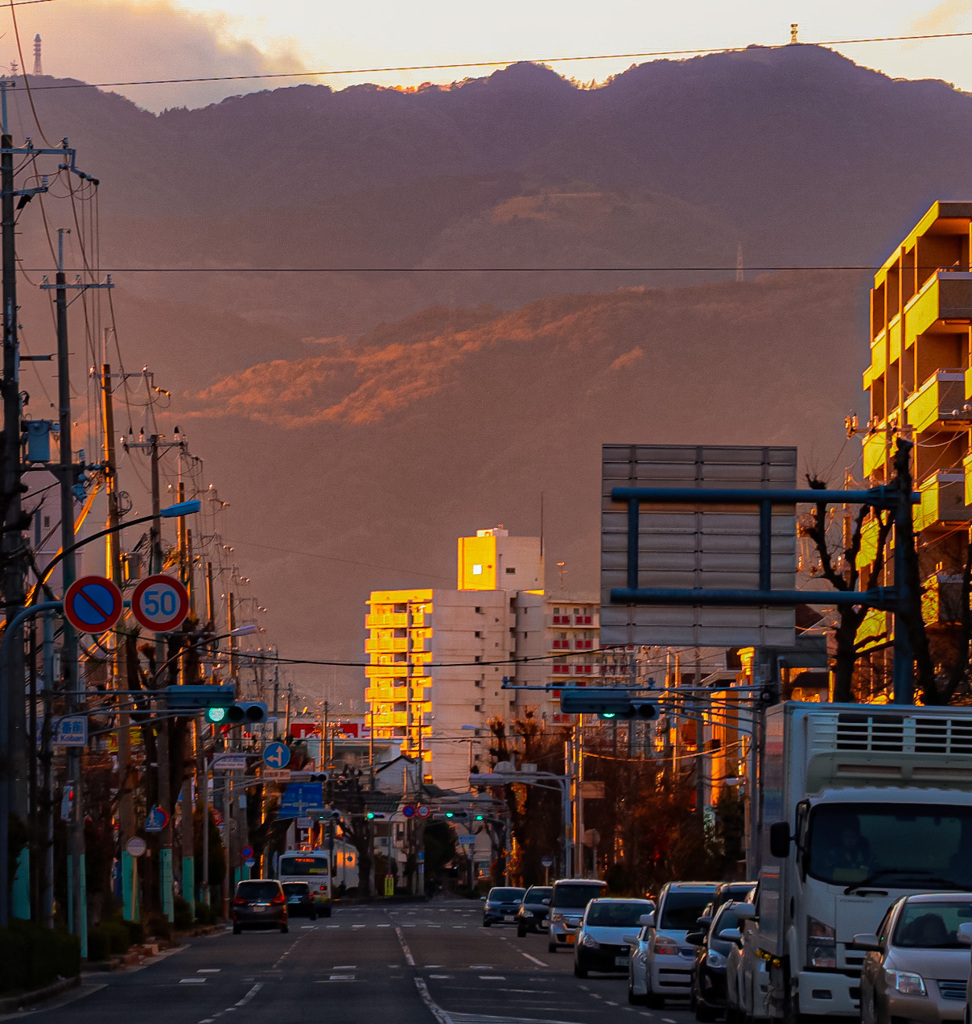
[409, 959]
[433, 1007]
[534, 959]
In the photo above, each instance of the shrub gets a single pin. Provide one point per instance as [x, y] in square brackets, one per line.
[183, 914]
[32, 956]
[206, 914]
[136, 932]
[158, 926]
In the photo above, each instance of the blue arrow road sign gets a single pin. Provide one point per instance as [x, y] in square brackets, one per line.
[300, 797]
[276, 755]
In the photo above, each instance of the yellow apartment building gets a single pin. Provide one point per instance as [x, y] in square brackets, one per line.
[919, 385]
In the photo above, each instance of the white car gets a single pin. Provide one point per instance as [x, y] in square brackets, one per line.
[601, 940]
[662, 961]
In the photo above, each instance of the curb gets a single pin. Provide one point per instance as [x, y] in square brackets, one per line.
[38, 995]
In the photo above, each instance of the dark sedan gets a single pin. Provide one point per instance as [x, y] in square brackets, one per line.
[300, 900]
[533, 912]
[501, 904]
[259, 903]
[712, 946]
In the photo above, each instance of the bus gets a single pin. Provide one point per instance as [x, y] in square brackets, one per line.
[311, 866]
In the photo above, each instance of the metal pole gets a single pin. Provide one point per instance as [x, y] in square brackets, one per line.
[903, 666]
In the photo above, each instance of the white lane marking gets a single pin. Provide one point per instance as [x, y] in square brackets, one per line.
[358, 926]
[344, 967]
[253, 991]
[492, 977]
[341, 977]
[540, 963]
[440, 1015]
[480, 967]
[409, 959]
[384, 926]
[440, 977]
[209, 970]
[192, 981]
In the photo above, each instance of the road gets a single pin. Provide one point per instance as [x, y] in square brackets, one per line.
[424, 964]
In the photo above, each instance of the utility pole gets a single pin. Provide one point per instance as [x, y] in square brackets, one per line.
[14, 554]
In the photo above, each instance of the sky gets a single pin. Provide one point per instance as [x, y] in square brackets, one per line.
[109, 41]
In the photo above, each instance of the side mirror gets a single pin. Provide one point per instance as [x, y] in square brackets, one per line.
[482, 899]
[964, 934]
[730, 935]
[647, 920]
[546, 902]
[780, 839]
[695, 938]
[745, 912]
[865, 940]
[631, 940]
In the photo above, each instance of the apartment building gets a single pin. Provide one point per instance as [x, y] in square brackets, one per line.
[439, 658]
[920, 387]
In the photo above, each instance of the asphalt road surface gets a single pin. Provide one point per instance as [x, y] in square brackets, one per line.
[429, 963]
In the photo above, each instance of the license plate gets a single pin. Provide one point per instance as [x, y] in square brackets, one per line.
[622, 961]
[569, 939]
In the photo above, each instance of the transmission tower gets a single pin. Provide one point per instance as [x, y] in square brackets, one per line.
[37, 55]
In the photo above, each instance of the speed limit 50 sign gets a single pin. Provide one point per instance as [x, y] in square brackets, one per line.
[160, 603]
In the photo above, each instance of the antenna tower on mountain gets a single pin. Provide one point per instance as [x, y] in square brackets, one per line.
[37, 55]
[739, 263]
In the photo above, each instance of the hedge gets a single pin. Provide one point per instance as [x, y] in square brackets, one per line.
[32, 956]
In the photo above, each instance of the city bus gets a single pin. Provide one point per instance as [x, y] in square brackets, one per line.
[311, 866]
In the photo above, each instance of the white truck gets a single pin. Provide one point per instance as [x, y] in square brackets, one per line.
[861, 804]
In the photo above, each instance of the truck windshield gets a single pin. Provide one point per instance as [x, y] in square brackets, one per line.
[575, 897]
[904, 845]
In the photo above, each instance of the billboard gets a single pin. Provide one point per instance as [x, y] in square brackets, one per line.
[691, 547]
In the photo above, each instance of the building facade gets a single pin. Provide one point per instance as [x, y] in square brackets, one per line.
[919, 387]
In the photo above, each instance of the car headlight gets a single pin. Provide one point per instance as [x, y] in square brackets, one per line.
[556, 917]
[905, 982]
[588, 940]
[714, 958]
[821, 944]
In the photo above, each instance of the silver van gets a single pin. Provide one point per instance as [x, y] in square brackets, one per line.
[567, 903]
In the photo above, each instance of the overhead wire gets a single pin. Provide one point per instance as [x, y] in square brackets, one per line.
[505, 62]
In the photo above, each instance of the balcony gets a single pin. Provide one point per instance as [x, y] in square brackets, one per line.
[875, 450]
[945, 296]
[386, 645]
[941, 599]
[939, 404]
[386, 620]
[943, 500]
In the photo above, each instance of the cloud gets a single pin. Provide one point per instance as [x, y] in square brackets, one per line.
[125, 40]
[948, 16]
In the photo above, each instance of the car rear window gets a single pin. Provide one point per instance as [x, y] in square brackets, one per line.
[537, 893]
[572, 897]
[505, 895]
[681, 910]
[616, 914]
[296, 888]
[258, 890]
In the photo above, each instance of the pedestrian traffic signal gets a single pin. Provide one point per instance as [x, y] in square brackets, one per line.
[214, 699]
[606, 704]
[67, 802]
[247, 712]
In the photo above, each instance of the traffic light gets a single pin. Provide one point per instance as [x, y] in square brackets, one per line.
[606, 704]
[67, 802]
[318, 776]
[457, 815]
[374, 816]
[215, 700]
[247, 712]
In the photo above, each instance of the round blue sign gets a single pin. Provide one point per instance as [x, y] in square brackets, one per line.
[276, 755]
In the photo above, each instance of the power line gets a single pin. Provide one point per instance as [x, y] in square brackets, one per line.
[459, 65]
[856, 267]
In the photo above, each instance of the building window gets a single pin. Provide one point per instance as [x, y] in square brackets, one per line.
[478, 634]
[477, 570]
[510, 571]
[478, 610]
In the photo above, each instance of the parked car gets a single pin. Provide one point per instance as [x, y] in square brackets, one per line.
[600, 944]
[664, 969]
[501, 904]
[917, 965]
[259, 903]
[567, 902]
[534, 909]
[738, 892]
[713, 943]
[300, 900]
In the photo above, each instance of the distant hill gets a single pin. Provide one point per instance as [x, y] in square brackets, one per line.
[523, 269]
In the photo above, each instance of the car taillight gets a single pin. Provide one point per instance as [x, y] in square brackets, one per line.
[239, 902]
[279, 898]
[666, 946]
